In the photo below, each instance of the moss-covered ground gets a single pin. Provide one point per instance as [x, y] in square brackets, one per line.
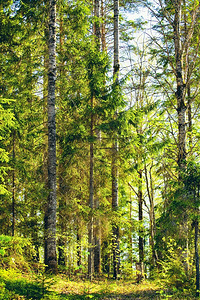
[15, 285]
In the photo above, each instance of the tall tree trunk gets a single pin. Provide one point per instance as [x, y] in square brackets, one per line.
[61, 217]
[149, 185]
[196, 227]
[62, 185]
[189, 117]
[97, 243]
[140, 214]
[91, 198]
[196, 238]
[103, 30]
[130, 238]
[115, 227]
[13, 186]
[180, 89]
[50, 213]
[79, 261]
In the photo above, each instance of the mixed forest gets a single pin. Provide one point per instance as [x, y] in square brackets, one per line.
[99, 147]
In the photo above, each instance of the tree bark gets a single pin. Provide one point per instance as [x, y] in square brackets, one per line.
[180, 88]
[62, 185]
[91, 199]
[50, 214]
[103, 34]
[115, 227]
[130, 238]
[140, 213]
[79, 261]
[13, 186]
[97, 242]
[196, 237]
[196, 226]
[150, 193]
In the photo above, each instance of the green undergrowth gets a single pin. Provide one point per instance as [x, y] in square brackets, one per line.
[16, 285]
[21, 278]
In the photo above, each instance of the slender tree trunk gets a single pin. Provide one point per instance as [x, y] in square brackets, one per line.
[61, 217]
[130, 234]
[50, 214]
[34, 233]
[189, 117]
[196, 227]
[62, 186]
[180, 90]
[97, 242]
[91, 199]
[103, 30]
[79, 261]
[196, 241]
[115, 229]
[150, 193]
[140, 213]
[13, 186]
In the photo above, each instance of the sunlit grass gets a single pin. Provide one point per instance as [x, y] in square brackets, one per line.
[44, 287]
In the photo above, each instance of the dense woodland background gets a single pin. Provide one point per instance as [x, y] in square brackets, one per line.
[100, 137]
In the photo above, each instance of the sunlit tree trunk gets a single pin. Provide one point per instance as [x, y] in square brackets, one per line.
[180, 87]
[91, 199]
[97, 242]
[196, 227]
[50, 213]
[13, 185]
[140, 213]
[149, 185]
[115, 227]
[61, 167]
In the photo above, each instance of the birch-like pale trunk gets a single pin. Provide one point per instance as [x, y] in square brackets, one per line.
[50, 213]
[114, 171]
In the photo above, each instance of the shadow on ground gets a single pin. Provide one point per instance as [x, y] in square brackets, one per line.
[37, 291]
[30, 290]
[139, 295]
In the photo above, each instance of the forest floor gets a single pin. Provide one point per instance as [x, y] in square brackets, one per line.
[15, 285]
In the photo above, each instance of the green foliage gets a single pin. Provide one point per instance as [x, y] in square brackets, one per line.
[6, 125]
[16, 252]
[15, 285]
[176, 269]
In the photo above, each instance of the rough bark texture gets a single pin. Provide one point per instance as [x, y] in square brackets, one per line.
[61, 169]
[180, 91]
[50, 214]
[115, 242]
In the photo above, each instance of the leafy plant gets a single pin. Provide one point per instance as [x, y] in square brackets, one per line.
[177, 273]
